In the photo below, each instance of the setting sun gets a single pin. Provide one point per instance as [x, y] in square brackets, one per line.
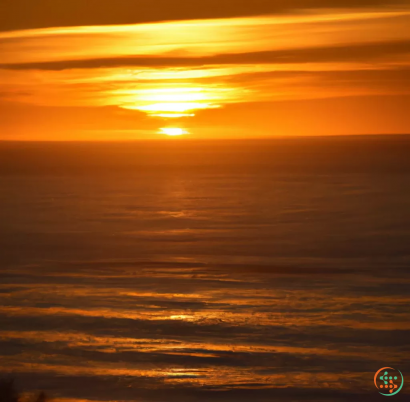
[174, 131]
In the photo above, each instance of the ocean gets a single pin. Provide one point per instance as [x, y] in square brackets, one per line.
[183, 270]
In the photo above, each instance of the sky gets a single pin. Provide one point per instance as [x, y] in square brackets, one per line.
[125, 70]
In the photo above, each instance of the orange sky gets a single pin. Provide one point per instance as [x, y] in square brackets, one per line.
[78, 70]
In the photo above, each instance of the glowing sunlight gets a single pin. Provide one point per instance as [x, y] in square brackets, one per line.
[173, 131]
[170, 102]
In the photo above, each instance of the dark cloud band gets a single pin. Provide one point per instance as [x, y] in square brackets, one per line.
[24, 14]
[345, 53]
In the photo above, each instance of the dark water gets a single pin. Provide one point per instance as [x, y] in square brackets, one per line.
[199, 271]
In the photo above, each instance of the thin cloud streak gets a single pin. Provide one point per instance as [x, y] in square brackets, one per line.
[187, 38]
[21, 14]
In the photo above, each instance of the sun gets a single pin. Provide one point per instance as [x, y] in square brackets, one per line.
[173, 131]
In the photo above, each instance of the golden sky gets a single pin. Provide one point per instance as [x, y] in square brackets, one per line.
[117, 70]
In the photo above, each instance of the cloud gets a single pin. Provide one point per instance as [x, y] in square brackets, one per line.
[184, 68]
[205, 38]
[22, 14]
[368, 52]
[170, 69]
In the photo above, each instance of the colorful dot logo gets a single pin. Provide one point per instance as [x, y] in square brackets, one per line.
[388, 381]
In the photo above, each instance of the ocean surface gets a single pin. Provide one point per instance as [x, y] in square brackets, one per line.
[269, 270]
